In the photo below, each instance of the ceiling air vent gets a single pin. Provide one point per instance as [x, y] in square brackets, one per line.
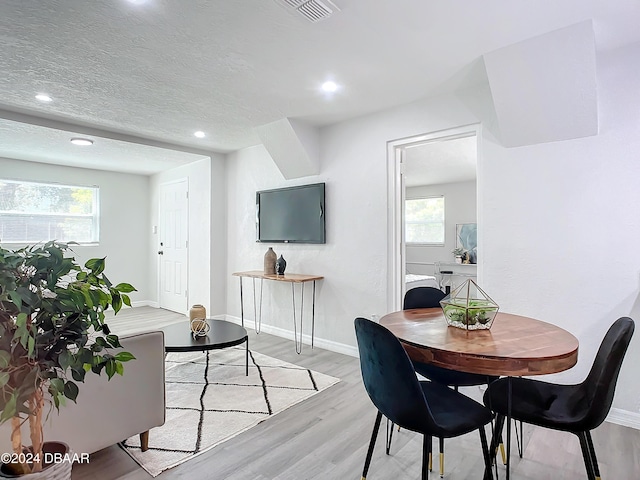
[312, 10]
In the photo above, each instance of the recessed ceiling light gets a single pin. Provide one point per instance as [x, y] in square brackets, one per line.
[329, 86]
[199, 134]
[43, 97]
[81, 141]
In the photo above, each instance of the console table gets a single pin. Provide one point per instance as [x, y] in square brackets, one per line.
[291, 278]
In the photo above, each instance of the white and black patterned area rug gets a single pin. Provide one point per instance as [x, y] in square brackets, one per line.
[210, 399]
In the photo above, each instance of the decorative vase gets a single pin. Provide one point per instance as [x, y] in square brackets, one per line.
[281, 264]
[270, 262]
[197, 312]
[469, 307]
[56, 470]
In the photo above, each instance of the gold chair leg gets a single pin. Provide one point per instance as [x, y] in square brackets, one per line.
[503, 453]
[441, 464]
[430, 461]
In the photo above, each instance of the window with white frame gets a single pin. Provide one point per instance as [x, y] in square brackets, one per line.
[424, 220]
[33, 212]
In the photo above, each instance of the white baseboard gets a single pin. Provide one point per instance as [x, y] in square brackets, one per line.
[145, 303]
[625, 418]
[306, 339]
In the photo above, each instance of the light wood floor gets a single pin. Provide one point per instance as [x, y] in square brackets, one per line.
[326, 437]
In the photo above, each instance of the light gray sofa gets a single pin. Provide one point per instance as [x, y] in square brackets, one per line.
[108, 412]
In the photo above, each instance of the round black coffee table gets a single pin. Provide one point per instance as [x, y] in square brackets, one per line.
[223, 334]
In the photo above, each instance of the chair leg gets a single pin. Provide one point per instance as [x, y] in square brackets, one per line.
[488, 474]
[586, 454]
[496, 437]
[519, 440]
[430, 454]
[503, 453]
[496, 440]
[372, 443]
[389, 436]
[426, 454]
[592, 450]
[441, 457]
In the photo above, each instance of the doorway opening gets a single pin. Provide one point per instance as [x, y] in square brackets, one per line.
[435, 176]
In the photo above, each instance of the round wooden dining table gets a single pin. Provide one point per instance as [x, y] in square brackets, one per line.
[514, 346]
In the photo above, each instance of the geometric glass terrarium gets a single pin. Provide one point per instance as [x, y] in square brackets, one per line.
[469, 307]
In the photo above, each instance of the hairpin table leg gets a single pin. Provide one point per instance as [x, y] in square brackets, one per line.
[313, 313]
[241, 303]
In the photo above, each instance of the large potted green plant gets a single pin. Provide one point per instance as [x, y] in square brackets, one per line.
[52, 333]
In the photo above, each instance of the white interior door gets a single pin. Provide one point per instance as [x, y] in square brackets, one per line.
[174, 245]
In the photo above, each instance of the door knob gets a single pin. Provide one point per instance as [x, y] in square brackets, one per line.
[160, 252]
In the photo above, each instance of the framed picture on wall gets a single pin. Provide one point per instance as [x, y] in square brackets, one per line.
[467, 238]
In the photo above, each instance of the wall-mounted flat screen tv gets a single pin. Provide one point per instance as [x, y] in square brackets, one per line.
[291, 215]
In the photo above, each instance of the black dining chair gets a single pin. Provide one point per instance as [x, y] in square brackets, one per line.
[428, 297]
[424, 407]
[577, 409]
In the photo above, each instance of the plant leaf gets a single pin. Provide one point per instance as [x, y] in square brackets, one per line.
[57, 385]
[116, 303]
[5, 358]
[124, 356]
[78, 374]
[110, 368]
[15, 298]
[96, 265]
[65, 359]
[31, 345]
[125, 288]
[9, 409]
[71, 391]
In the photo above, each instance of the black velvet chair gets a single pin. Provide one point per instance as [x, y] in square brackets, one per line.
[422, 297]
[424, 407]
[428, 297]
[570, 408]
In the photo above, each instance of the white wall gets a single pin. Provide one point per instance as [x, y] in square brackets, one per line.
[248, 171]
[563, 223]
[124, 216]
[207, 241]
[459, 207]
[558, 222]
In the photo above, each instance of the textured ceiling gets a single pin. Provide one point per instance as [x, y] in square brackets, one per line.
[162, 69]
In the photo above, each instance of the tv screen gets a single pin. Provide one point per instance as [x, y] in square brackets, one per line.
[291, 215]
